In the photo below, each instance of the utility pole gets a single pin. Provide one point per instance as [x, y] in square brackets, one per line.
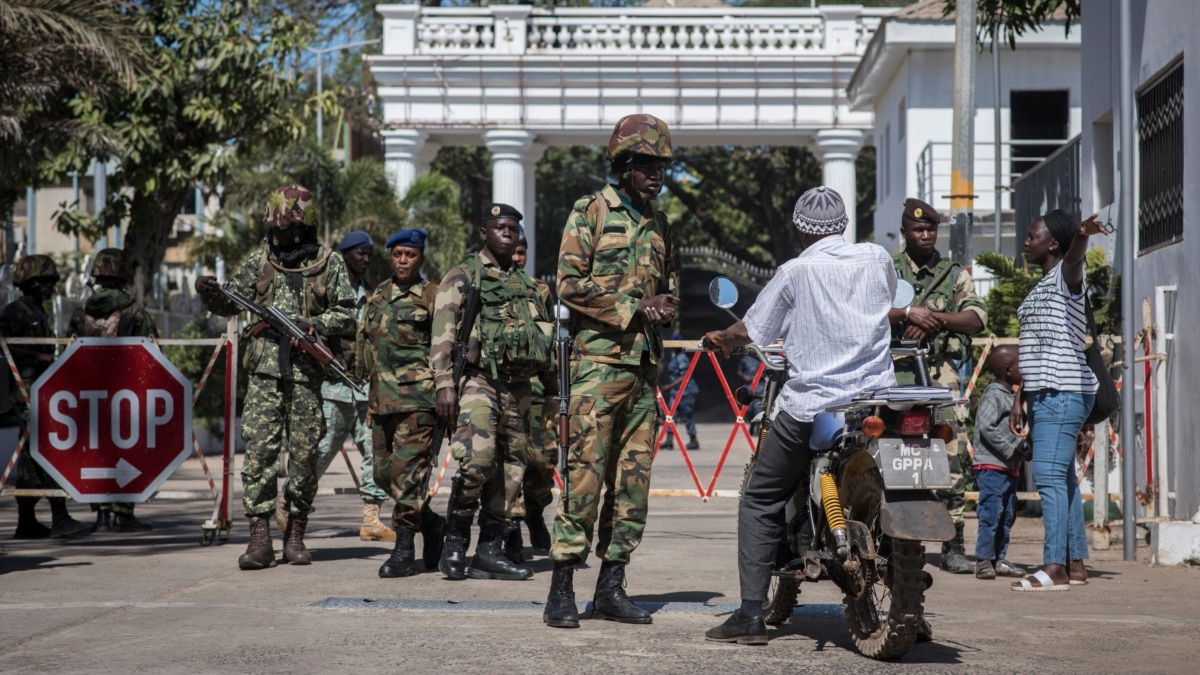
[1126, 232]
[996, 130]
[962, 151]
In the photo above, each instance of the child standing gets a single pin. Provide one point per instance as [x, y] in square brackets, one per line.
[998, 456]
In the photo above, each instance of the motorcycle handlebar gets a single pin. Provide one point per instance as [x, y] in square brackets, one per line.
[771, 357]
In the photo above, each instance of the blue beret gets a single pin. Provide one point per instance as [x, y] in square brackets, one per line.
[521, 237]
[493, 211]
[677, 336]
[355, 239]
[414, 238]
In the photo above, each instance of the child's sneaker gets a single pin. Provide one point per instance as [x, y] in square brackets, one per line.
[984, 569]
[1007, 569]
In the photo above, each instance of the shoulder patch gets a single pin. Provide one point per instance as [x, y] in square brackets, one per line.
[582, 203]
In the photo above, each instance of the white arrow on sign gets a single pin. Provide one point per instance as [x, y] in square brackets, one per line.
[123, 473]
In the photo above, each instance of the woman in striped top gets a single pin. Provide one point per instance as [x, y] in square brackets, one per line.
[1059, 389]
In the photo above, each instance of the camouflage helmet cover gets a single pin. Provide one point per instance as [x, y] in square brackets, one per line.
[111, 262]
[34, 267]
[640, 134]
[291, 204]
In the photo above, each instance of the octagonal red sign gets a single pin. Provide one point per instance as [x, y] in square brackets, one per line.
[111, 419]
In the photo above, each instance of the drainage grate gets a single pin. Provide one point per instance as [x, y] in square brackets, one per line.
[817, 611]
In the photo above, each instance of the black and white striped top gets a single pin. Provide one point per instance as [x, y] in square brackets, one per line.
[1053, 331]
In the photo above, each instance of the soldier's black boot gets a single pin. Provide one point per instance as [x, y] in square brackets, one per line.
[28, 526]
[539, 535]
[294, 550]
[402, 562]
[259, 553]
[453, 563]
[514, 545]
[954, 555]
[433, 532]
[490, 563]
[610, 601]
[561, 611]
[127, 522]
[693, 443]
[62, 524]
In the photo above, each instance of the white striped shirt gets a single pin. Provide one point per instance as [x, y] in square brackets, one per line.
[1053, 330]
[830, 304]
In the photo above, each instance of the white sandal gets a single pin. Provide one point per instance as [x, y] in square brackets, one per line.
[1046, 583]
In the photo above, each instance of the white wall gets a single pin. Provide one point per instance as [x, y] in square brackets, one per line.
[1163, 30]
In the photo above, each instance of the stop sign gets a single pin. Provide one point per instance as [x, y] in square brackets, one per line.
[111, 419]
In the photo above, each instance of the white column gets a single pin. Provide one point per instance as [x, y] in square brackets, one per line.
[532, 157]
[509, 148]
[838, 149]
[400, 156]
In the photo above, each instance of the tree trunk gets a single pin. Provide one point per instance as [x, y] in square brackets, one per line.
[151, 220]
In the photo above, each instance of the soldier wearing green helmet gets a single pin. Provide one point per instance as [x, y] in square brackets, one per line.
[110, 311]
[617, 276]
[35, 276]
[295, 274]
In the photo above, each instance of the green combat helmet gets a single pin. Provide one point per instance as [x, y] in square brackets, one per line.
[291, 204]
[640, 135]
[110, 262]
[33, 267]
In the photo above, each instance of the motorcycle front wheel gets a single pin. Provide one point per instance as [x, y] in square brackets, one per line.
[885, 614]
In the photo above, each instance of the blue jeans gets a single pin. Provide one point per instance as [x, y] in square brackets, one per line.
[1055, 418]
[996, 512]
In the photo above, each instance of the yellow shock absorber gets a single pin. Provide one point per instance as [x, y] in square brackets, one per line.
[762, 433]
[833, 512]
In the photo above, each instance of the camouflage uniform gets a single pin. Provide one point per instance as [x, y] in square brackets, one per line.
[605, 270]
[112, 312]
[394, 349]
[492, 434]
[955, 293]
[542, 455]
[279, 404]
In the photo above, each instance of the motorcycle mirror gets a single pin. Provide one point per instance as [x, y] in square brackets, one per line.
[723, 292]
[904, 294]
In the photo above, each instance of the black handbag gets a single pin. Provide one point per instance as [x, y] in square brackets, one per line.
[1108, 399]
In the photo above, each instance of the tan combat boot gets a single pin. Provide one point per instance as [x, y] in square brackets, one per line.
[372, 528]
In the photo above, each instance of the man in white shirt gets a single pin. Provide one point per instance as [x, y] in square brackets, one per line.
[830, 305]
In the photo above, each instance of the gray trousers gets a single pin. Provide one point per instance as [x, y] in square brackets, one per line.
[782, 467]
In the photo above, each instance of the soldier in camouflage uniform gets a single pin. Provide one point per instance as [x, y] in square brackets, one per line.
[300, 278]
[111, 312]
[943, 317]
[394, 339]
[35, 276]
[536, 488]
[617, 276]
[490, 409]
[345, 410]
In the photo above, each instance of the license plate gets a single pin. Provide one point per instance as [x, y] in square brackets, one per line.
[913, 463]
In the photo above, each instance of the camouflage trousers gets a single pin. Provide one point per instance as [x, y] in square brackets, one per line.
[402, 462]
[348, 419]
[540, 460]
[943, 373]
[277, 412]
[490, 444]
[612, 422]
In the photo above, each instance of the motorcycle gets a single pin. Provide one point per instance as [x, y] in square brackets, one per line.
[877, 461]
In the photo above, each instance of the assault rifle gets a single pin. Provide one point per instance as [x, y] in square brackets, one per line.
[287, 331]
[462, 345]
[563, 345]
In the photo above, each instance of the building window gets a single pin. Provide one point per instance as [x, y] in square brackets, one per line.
[1160, 161]
[1039, 122]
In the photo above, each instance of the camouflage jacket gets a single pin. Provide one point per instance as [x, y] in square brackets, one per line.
[24, 318]
[953, 294]
[324, 299]
[606, 269]
[112, 313]
[447, 316]
[347, 348]
[393, 340]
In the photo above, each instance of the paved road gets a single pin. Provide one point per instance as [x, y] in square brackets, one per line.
[161, 603]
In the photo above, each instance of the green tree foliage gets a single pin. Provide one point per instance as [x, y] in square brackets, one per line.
[432, 205]
[51, 53]
[1014, 283]
[1014, 18]
[220, 79]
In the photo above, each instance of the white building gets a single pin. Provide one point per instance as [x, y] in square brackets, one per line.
[906, 78]
[1166, 224]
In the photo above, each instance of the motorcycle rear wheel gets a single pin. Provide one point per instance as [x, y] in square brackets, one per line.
[884, 618]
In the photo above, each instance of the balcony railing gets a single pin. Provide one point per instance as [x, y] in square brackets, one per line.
[1052, 184]
[521, 29]
[933, 169]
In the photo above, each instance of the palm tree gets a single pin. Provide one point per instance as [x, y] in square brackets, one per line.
[51, 53]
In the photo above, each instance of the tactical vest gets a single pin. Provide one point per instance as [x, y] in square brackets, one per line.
[939, 298]
[316, 281]
[516, 332]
